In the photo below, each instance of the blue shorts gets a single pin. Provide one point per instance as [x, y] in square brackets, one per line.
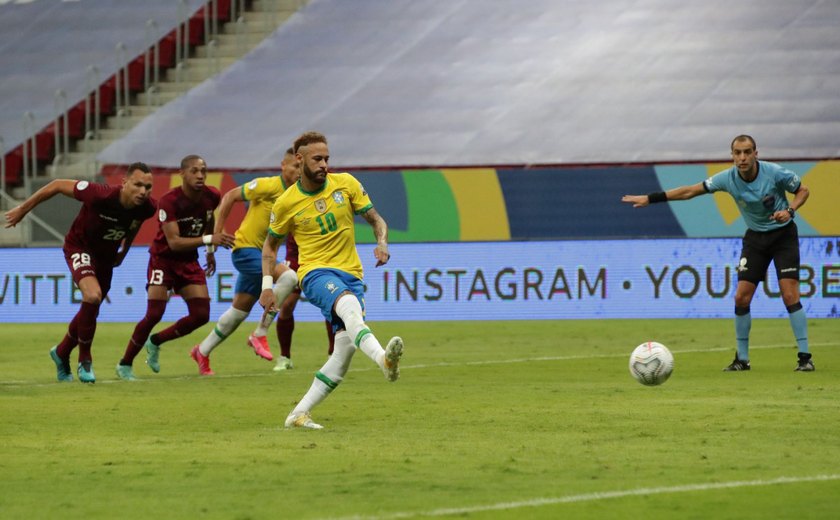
[248, 261]
[322, 288]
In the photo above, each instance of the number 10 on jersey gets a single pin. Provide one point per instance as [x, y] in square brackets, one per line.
[327, 223]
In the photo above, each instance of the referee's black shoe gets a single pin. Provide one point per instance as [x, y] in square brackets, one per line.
[805, 363]
[737, 365]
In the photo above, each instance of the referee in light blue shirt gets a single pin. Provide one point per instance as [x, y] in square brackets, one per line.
[758, 188]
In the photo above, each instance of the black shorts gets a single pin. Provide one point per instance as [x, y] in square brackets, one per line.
[759, 248]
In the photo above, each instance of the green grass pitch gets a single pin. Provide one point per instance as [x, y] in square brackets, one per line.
[517, 419]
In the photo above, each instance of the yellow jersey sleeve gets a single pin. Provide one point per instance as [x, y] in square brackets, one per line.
[260, 195]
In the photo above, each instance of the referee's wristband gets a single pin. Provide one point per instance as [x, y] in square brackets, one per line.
[267, 282]
[207, 239]
[657, 196]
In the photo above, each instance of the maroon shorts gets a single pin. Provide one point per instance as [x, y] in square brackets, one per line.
[174, 274]
[82, 265]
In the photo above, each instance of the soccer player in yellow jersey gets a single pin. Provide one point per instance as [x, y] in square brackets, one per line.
[319, 210]
[260, 193]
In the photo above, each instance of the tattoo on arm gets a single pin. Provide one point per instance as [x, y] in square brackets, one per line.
[380, 228]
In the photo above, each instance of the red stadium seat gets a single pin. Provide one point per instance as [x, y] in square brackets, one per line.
[137, 73]
[224, 10]
[44, 143]
[166, 51]
[196, 28]
[107, 97]
[14, 167]
[76, 121]
[73, 74]
[45, 139]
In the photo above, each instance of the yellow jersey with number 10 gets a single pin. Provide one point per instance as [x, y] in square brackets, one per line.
[322, 223]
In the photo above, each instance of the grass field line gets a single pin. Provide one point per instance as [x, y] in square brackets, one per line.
[602, 495]
[585, 356]
[31, 384]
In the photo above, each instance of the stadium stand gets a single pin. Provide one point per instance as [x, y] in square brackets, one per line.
[422, 82]
[48, 46]
[111, 52]
[601, 96]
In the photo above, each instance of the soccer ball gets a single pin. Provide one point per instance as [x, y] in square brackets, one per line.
[651, 363]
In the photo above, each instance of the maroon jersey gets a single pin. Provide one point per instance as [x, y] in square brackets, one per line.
[193, 218]
[292, 252]
[103, 221]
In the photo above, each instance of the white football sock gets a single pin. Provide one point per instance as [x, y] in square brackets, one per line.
[331, 374]
[228, 322]
[283, 287]
[349, 310]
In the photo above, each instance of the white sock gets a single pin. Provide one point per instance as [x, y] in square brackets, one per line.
[331, 374]
[283, 287]
[228, 322]
[349, 310]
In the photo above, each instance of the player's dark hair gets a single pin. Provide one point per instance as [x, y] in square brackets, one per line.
[138, 166]
[743, 137]
[188, 159]
[308, 138]
[289, 151]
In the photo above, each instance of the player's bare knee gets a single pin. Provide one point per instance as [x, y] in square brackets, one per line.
[790, 291]
[94, 298]
[744, 294]
[743, 300]
[243, 302]
[791, 298]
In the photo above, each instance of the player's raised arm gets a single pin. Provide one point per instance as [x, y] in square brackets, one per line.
[269, 258]
[380, 232]
[682, 193]
[62, 186]
[233, 196]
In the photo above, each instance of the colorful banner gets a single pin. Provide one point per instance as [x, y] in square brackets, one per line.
[676, 278]
[482, 204]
